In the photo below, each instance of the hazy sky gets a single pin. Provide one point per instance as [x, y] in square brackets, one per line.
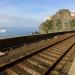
[30, 13]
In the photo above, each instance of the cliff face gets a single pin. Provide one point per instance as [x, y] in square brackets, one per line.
[61, 21]
[46, 27]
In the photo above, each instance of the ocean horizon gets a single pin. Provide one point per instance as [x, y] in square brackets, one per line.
[16, 32]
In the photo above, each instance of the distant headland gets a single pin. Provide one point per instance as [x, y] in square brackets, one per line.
[63, 20]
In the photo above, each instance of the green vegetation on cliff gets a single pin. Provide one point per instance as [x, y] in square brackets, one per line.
[46, 26]
[58, 24]
[73, 22]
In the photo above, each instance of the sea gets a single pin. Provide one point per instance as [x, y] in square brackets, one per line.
[17, 32]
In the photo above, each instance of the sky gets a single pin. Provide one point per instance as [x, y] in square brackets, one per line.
[30, 13]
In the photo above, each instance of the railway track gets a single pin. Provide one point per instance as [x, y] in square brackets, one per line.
[48, 58]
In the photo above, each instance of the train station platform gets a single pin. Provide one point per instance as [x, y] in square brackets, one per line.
[72, 69]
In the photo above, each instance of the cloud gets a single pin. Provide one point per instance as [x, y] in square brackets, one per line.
[25, 8]
[12, 21]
